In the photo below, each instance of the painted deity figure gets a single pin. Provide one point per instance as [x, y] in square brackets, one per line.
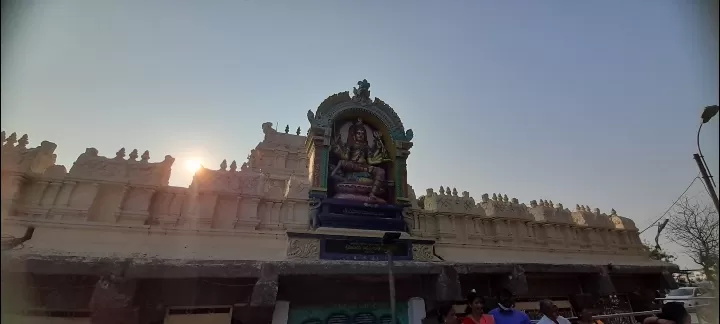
[358, 174]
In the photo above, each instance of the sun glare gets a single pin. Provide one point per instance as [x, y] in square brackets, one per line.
[192, 165]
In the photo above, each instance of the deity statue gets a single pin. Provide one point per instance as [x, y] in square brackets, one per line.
[358, 174]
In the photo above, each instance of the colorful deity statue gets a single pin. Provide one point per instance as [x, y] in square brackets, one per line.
[359, 173]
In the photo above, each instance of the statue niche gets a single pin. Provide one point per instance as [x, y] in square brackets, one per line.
[359, 163]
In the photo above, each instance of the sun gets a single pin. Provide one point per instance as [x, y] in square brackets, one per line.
[193, 165]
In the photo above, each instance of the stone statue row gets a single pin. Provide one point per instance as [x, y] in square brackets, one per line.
[12, 140]
[120, 155]
[498, 197]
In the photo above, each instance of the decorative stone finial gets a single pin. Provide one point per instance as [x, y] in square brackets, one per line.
[465, 194]
[515, 201]
[145, 157]
[133, 155]
[454, 192]
[577, 207]
[223, 165]
[597, 211]
[287, 129]
[120, 154]
[560, 206]
[550, 203]
[233, 166]
[533, 203]
[297, 132]
[10, 141]
[485, 198]
[505, 198]
[361, 94]
[244, 166]
[442, 190]
[494, 197]
[587, 208]
[613, 212]
[23, 142]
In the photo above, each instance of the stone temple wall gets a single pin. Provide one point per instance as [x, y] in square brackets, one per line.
[122, 206]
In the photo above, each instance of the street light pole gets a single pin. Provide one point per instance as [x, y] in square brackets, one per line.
[708, 183]
[391, 282]
[708, 113]
[389, 239]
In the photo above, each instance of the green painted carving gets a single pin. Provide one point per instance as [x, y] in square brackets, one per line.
[400, 166]
[399, 135]
[324, 168]
[366, 313]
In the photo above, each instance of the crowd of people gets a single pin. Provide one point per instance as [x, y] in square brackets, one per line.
[505, 313]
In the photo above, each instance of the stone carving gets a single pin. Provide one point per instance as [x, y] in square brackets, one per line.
[93, 167]
[133, 155]
[448, 200]
[145, 157]
[358, 173]
[302, 248]
[422, 252]
[246, 182]
[341, 103]
[17, 157]
[361, 94]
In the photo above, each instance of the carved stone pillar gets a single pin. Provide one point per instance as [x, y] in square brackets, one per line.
[248, 213]
[447, 286]
[264, 295]
[48, 198]
[318, 152]
[38, 192]
[63, 199]
[112, 301]
[290, 212]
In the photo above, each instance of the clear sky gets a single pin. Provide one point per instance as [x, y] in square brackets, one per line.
[590, 102]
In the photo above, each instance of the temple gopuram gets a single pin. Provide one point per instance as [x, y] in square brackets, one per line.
[294, 235]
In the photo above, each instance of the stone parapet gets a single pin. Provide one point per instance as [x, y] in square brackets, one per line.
[172, 268]
[102, 203]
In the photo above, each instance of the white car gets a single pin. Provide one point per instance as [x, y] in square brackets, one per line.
[685, 295]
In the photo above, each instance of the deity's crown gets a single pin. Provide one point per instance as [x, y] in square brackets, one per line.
[359, 122]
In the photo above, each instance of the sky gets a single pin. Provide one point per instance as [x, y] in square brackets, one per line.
[581, 102]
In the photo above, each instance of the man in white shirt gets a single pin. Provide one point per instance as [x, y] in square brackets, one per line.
[550, 312]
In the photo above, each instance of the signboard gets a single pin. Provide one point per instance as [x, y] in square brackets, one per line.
[357, 248]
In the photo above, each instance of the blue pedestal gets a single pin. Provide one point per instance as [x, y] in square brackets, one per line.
[358, 215]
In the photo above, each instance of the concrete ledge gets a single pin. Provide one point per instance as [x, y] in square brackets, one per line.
[170, 268]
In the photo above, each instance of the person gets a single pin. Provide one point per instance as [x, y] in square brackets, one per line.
[505, 313]
[476, 310]
[670, 313]
[550, 312]
[585, 317]
[443, 314]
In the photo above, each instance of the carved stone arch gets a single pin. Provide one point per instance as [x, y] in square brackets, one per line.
[341, 104]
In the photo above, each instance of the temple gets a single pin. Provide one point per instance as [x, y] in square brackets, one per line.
[294, 234]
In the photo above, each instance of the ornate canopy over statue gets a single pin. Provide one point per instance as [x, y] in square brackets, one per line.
[357, 149]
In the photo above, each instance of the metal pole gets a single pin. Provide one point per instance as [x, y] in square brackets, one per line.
[391, 281]
[706, 178]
